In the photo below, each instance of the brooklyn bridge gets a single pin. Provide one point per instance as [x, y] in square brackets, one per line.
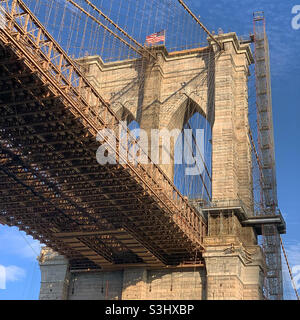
[72, 73]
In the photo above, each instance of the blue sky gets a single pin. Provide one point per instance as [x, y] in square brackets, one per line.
[18, 252]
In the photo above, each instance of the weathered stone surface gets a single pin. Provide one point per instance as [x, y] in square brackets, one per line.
[54, 275]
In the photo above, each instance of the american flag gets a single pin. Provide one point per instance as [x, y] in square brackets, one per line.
[156, 37]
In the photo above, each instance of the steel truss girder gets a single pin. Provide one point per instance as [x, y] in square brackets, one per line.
[59, 76]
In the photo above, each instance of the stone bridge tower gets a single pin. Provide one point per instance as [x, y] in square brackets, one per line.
[175, 86]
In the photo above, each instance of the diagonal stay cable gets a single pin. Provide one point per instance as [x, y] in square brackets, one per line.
[109, 30]
[201, 24]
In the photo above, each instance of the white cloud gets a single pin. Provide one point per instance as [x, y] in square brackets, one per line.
[10, 274]
[2, 277]
[14, 273]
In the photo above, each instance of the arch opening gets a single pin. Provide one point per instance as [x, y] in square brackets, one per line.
[193, 154]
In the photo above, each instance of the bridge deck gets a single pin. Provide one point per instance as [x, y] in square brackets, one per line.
[51, 185]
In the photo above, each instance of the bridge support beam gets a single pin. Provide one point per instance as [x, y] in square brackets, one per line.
[234, 267]
[55, 276]
[134, 284]
[231, 147]
[234, 272]
[188, 283]
[231, 162]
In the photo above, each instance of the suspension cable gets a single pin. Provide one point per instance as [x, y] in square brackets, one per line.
[118, 27]
[109, 30]
[201, 24]
[290, 271]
